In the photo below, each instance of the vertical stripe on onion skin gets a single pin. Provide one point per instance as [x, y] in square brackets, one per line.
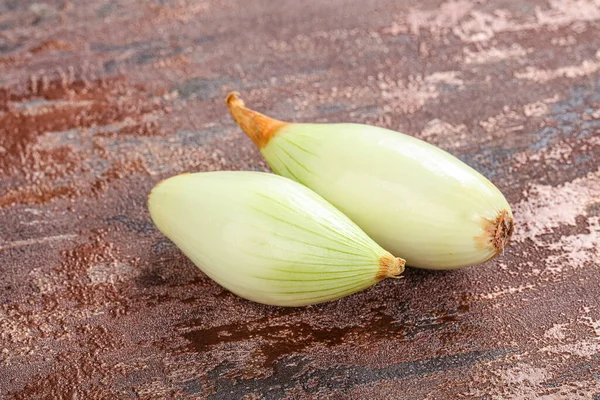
[411, 197]
[267, 238]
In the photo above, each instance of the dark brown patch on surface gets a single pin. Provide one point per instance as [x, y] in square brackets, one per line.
[52, 132]
[96, 303]
[52, 44]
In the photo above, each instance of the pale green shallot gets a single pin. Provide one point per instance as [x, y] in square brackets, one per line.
[411, 197]
[267, 238]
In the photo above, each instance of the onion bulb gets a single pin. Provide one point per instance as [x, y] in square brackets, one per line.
[267, 238]
[411, 197]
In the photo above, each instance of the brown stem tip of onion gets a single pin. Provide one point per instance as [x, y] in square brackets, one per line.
[503, 230]
[497, 233]
[390, 267]
[257, 126]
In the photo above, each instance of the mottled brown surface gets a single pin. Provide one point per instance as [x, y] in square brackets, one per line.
[99, 100]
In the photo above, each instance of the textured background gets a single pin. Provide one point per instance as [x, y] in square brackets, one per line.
[99, 100]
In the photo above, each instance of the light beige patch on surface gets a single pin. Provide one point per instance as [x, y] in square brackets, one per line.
[545, 208]
[585, 68]
[408, 96]
[493, 54]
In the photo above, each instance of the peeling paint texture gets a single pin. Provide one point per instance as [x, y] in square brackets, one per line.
[100, 100]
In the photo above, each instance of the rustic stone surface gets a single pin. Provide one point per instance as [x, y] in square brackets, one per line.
[99, 100]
